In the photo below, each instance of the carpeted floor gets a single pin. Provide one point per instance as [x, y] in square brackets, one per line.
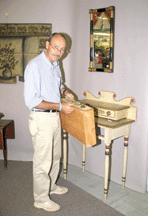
[16, 198]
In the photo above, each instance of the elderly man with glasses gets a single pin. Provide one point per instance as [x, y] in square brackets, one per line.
[42, 92]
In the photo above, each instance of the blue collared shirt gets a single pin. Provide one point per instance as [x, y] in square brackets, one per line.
[43, 81]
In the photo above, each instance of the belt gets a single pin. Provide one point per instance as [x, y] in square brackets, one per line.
[50, 111]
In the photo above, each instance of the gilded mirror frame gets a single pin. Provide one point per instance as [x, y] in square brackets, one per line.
[102, 39]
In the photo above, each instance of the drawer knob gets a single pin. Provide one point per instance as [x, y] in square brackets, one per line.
[108, 113]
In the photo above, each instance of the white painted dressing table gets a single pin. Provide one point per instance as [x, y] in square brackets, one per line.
[115, 118]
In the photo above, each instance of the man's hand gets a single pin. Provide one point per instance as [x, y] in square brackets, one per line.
[69, 95]
[67, 108]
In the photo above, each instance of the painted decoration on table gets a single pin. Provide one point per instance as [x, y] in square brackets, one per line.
[19, 43]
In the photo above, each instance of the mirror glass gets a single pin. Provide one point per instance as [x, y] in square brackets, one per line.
[101, 39]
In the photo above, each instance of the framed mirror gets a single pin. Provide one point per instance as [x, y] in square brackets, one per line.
[102, 39]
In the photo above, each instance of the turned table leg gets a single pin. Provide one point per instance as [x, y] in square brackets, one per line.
[83, 158]
[65, 135]
[107, 155]
[124, 161]
[5, 154]
[3, 145]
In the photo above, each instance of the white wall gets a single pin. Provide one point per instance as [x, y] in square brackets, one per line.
[129, 78]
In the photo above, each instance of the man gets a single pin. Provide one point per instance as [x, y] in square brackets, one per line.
[42, 92]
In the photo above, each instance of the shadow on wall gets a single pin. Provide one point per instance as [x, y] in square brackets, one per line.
[68, 48]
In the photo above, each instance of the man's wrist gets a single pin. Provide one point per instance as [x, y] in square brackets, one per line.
[64, 91]
[60, 107]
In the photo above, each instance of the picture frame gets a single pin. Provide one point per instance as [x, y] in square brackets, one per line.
[102, 39]
[19, 43]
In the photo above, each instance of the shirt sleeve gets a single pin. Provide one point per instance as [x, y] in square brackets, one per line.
[61, 84]
[32, 86]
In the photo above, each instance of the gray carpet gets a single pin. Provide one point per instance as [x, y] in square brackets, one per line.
[16, 198]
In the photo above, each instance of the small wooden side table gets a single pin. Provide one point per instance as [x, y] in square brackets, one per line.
[115, 118]
[6, 132]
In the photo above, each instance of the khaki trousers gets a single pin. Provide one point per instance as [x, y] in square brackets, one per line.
[45, 129]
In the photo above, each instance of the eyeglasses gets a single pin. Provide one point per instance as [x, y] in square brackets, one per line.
[56, 49]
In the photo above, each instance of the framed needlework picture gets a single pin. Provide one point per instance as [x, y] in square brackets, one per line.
[19, 43]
